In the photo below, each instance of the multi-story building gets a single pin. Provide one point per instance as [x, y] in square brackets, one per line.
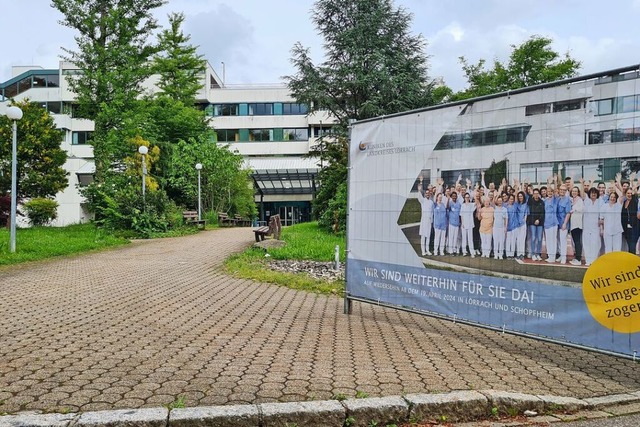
[262, 123]
[583, 127]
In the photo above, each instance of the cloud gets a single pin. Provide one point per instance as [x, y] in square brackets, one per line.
[253, 39]
[447, 45]
[223, 35]
[602, 54]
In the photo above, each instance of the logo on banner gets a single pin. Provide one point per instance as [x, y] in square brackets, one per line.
[384, 148]
[611, 289]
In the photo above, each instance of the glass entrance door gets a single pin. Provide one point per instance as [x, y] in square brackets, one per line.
[289, 215]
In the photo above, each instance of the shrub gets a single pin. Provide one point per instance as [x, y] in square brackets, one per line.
[334, 218]
[120, 206]
[41, 211]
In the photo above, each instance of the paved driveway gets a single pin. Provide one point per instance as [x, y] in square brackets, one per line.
[139, 326]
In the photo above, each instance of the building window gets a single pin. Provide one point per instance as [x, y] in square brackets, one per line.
[536, 172]
[556, 107]
[517, 134]
[84, 179]
[615, 135]
[54, 107]
[11, 90]
[261, 109]
[617, 77]
[321, 131]
[602, 169]
[604, 106]
[51, 107]
[51, 80]
[569, 105]
[24, 84]
[82, 137]
[601, 137]
[294, 109]
[491, 137]
[451, 176]
[622, 104]
[479, 138]
[625, 135]
[260, 135]
[297, 134]
[225, 109]
[227, 135]
[533, 110]
[627, 104]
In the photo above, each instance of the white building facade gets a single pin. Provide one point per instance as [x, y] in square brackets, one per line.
[262, 123]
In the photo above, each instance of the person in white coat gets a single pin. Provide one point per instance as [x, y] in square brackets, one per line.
[610, 219]
[467, 211]
[426, 219]
[591, 226]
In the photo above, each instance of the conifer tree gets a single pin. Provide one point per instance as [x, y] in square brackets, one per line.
[178, 64]
[373, 66]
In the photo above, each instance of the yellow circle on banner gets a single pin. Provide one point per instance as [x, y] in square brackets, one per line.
[611, 290]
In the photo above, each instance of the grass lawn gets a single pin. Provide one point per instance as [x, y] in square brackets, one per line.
[39, 243]
[304, 242]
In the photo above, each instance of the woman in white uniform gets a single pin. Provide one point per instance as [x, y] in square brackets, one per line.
[591, 226]
[610, 216]
[466, 225]
[426, 220]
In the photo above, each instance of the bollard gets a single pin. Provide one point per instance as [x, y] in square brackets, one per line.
[336, 265]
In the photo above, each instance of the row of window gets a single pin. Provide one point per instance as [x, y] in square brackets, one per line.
[555, 107]
[261, 135]
[33, 81]
[617, 77]
[257, 109]
[600, 169]
[479, 138]
[233, 135]
[620, 104]
[613, 135]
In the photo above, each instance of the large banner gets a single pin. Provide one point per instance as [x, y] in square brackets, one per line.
[517, 212]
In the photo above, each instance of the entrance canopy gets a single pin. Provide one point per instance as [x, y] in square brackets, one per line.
[284, 175]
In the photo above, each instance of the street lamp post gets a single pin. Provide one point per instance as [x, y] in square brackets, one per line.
[143, 150]
[14, 114]
[198, 168]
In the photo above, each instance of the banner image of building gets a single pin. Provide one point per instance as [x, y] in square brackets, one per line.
[516, 211]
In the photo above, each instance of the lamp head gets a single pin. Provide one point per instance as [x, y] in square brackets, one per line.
[143, 150]
[14, 113]
[198, 166]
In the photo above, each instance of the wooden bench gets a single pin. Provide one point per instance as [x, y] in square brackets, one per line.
[261, 232]
[191, 217]
[273, 229]
[241, 221]
[224, 220]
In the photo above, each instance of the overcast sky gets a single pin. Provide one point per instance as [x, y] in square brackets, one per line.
[254, 37]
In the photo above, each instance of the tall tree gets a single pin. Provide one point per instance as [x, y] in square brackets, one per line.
[40, 158]
[225, 184]
[113, 57]
[178, 64]
[533, 62]
[373, 66]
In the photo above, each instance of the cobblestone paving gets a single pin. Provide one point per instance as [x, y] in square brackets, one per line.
[140, 326]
